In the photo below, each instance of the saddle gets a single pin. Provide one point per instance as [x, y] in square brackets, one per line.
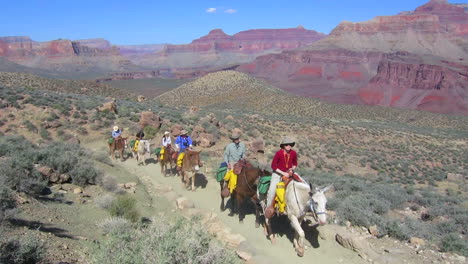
[241, 164]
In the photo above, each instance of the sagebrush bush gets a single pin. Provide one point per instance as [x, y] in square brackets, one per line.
[7, 202]
[454, 243]
[24, 250]
[125, 206]
[115, 225]
[165, 240]
[105, 201]
[17, 173]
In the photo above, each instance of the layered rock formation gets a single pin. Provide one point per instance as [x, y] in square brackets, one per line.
[219, 49]
[362, 62]
[63, 55]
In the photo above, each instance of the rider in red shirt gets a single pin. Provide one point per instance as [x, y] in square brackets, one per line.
[284, 163]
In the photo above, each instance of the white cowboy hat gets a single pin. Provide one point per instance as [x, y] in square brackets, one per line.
[287, 140]
[116, 128]
[167, 133]
[235, 136]
[183, 132]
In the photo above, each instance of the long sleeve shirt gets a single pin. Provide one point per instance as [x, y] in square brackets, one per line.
[234, 152]
[183, 143]
[166, 141]
[116, 134]
[283, 160]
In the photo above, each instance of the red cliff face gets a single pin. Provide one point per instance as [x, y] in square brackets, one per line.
[415, 60]
[219, 49]
[401, 83]
[61, 54]
[250, 41]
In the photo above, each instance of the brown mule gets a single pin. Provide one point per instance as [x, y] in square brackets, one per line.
[247, 180]
[167, 158]
[191, 164]
[119, 145]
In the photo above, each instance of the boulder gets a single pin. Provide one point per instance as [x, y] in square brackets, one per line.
[148, 118]
[206, 140]
[192, 111]
[355, 243]
[175, 130]
[109, 106]
[373, 230]
[183, 203]
[245, 256]
[141, 98]
[416, 241]
[258, 145]
[44, 170]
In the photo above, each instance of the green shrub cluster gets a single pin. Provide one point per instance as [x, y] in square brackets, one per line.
[124, 206]
[24, 250]
[165, 240]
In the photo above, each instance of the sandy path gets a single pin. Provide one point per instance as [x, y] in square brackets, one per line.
[207, 200]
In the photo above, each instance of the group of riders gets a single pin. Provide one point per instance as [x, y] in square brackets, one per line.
[283, 165]
[183, 143]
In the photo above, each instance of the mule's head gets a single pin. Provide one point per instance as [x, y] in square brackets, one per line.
[193, 157]
[318, 204]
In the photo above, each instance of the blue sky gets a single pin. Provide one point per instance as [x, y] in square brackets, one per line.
[181, 21]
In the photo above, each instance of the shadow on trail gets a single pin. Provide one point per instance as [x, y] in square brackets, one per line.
[43, 227]
[282, 227]
[200, 180]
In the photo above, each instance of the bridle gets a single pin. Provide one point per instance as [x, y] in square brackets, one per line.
[313, 209]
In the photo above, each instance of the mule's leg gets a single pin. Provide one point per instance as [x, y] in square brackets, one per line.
[221, 207]
[194, 175]
[240, 209]
[299, 235]
[233, 204]
[122, 155]
[257, 211]
[270, 233]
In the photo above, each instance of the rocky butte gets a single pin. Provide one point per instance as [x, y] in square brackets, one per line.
[219, 49]
[415, 60]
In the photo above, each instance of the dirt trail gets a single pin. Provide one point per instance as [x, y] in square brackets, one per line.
[206, 198]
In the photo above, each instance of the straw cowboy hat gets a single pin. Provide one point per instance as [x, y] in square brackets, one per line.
[235, 136]
[287, 140]
[167, 133]
[116, 128]
[183, 132]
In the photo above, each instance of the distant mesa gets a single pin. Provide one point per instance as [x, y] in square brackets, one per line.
[415, 60]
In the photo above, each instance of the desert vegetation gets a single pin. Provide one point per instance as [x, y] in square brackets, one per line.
[401, 171]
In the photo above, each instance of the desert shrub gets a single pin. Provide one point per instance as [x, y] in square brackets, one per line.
[454, 243]
[53, 116]
[135, 118]
[115, 225]
[125, 206]
[109, 183]
[7, 202]
[24, 250]
[44, 133]
[104, 201]
[165, 241]
[150, 132]
[84, 173]
[30, 126]
[18, 174]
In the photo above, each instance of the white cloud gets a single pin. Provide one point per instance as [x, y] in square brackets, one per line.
[230, 11]
[211, 10]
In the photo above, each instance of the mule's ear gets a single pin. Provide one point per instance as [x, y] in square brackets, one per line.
[326, 189]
